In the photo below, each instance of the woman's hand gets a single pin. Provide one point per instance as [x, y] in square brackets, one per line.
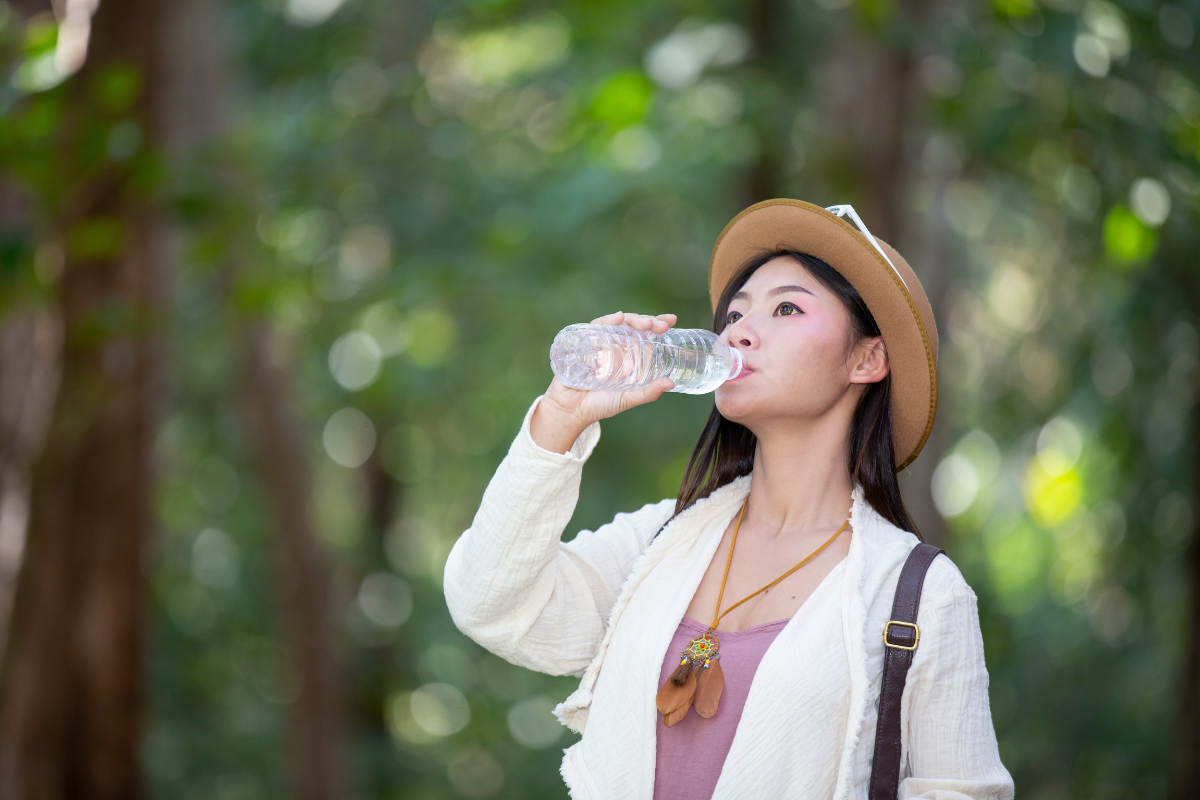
[564, 412]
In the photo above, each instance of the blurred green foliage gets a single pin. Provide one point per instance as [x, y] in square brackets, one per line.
[420, 195]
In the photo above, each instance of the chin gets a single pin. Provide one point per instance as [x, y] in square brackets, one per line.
[750, 406]
[734, 405]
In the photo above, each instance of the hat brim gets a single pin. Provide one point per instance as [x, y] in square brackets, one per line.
[895, 298]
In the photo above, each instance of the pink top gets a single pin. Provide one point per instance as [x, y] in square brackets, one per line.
[691, 754]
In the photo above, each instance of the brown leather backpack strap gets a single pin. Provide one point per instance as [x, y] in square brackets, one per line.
[900, 639]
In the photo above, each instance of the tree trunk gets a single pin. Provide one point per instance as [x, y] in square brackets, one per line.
[864, 85]
[931, 258]
[764, 181]
[195, 118]
[1185, 766]
[71, 688]
[29, 343]
[282, 463]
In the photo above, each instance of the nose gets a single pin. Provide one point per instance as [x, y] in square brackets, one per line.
[740, 334]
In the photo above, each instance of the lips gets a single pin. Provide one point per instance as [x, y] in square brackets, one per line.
[745, 371]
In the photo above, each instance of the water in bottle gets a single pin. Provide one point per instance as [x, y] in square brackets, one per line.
[618, 357]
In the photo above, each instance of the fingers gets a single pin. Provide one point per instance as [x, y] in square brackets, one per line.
[610, 319]
[663, 322]
[650, 393]
[642, 322]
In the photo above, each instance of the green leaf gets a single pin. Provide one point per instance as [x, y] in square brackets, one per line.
[623, 100]
[41, 35]
[1126, 239]
[1014, 8]
[117, 87]
[97, 238]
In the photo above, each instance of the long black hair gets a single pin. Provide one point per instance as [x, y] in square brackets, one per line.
[725, 450]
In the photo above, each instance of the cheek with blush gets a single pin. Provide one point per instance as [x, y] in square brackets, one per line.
[809, 371]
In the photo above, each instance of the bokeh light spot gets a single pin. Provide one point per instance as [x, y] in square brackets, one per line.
[1053, 490]
[1091, 55]
[1013, 296]
[364, 252]
[440, 709]
[383, 323]
[1126, 238]
[955, 485]
[307, 13]
[216, 559]
[354, 360]
[717, 102]
[967, 208]
[476, 773]
[1150, 201]
[635, 149]
[433, 335]
[349, 437]
[1061, 442]
[1016, 558]
[385, 599]
[622, 101]
[360, 87]
[495, 56]
[532, 723]
[678, 60]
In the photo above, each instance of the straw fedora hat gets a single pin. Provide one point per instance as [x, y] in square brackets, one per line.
[880, 275]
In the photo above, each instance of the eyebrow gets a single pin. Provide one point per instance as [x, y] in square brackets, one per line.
[778, 290]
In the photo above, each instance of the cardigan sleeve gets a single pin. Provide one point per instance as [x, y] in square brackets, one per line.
[950, 741]
[515, 588]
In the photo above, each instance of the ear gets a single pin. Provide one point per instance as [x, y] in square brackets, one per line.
[868, 361]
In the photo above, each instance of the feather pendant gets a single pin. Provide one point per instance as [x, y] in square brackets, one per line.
[681, 672]
[708, 689]
[676, 716]
[672, 698]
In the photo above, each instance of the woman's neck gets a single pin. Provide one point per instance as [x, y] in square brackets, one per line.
[801, 481]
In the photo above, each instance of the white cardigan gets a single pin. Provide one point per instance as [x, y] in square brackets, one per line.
[606, 604]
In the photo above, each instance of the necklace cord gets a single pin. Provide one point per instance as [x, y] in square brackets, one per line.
[728, 561]
[720, 596]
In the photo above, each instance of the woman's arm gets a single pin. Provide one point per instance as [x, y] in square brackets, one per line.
[514, 587]
[510, 583]
[949, 737]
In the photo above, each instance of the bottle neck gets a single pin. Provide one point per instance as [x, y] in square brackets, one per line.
[736, 369]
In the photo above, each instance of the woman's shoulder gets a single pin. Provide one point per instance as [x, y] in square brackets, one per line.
[637, 526]
[944, 582]
[664, 509]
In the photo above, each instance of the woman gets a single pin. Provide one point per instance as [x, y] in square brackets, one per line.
[794, 475]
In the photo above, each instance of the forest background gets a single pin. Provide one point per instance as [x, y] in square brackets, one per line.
[278, 279]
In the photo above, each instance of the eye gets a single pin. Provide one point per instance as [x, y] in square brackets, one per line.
[787, 310]
[732, 317]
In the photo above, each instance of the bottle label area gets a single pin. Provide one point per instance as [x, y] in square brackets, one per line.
[617, 357]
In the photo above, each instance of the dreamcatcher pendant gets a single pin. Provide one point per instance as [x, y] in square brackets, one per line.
[697, 681]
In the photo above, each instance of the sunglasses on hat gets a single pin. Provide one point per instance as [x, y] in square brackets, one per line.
[847, 210]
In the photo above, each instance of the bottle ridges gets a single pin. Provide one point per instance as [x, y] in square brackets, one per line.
[617, 357]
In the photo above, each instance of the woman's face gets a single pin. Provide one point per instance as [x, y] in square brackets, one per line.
[795, 337]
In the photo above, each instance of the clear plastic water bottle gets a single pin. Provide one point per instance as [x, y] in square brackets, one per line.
[618, 357]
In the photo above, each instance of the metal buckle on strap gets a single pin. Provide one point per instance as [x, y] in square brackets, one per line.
[916, 635]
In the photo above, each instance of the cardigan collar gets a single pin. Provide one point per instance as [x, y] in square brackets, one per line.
[683, 530]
